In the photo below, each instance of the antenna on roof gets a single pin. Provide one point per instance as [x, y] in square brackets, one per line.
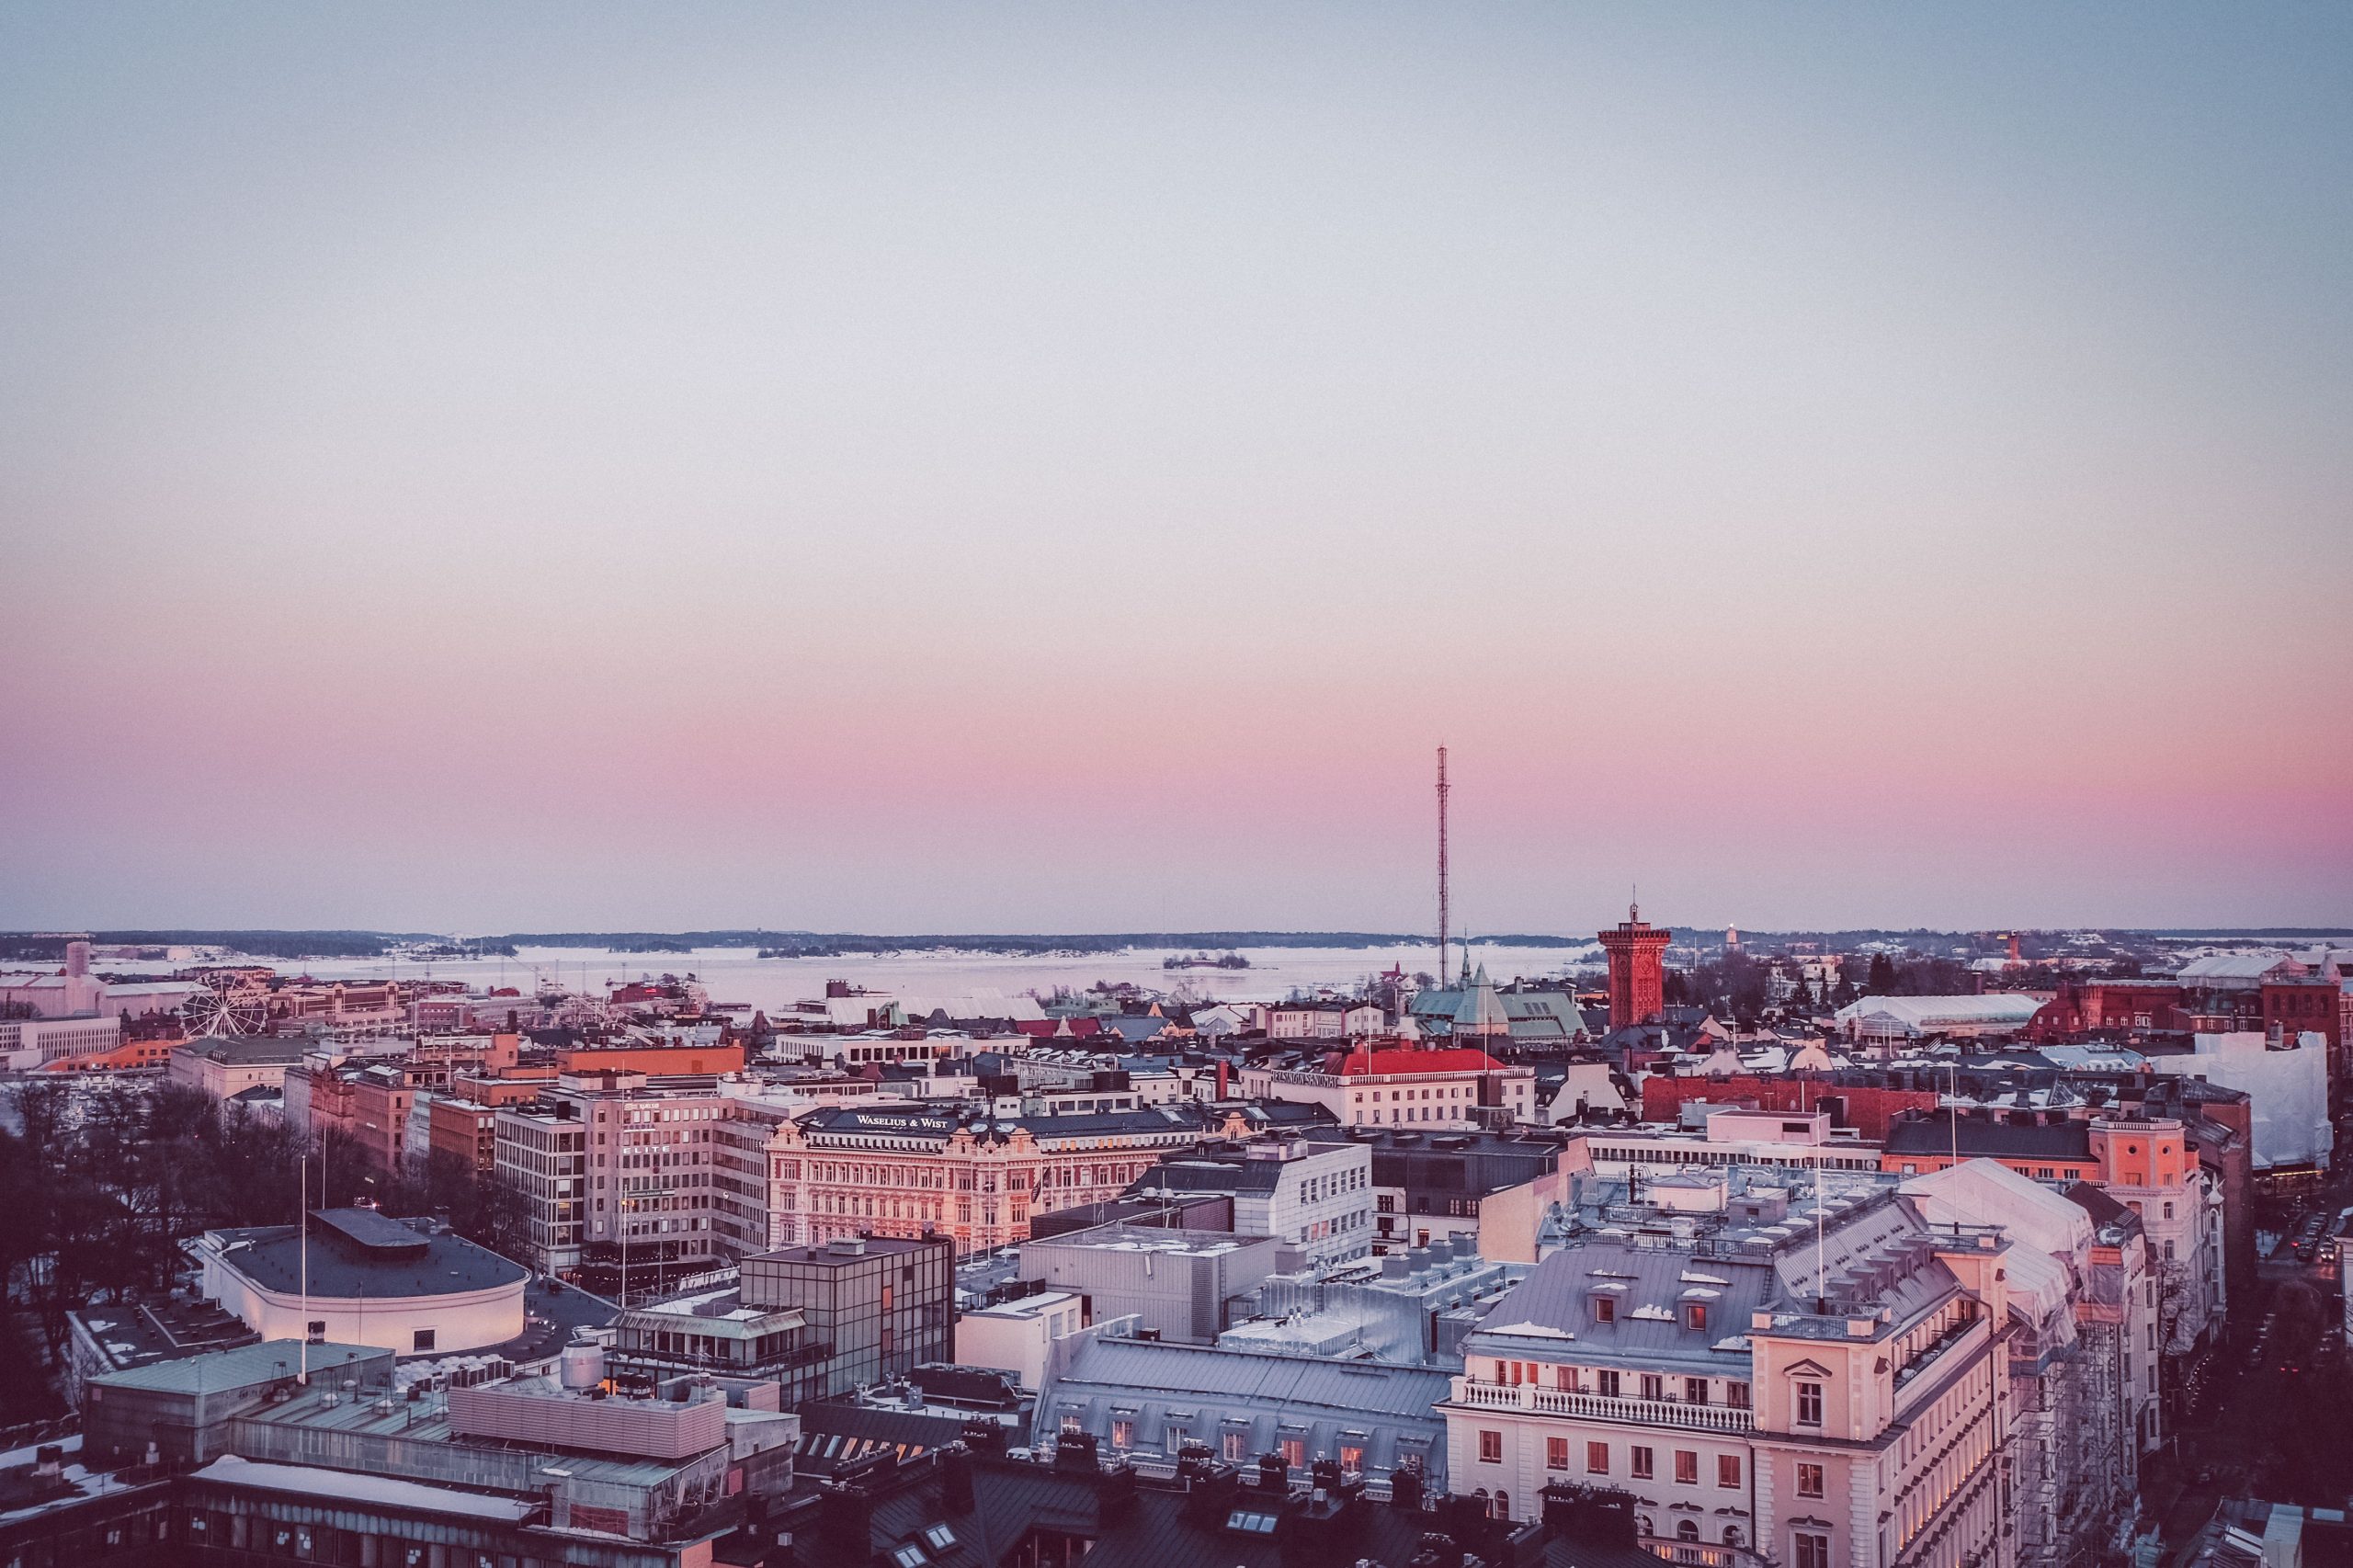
[1821, 1257]
[1441, 866]
[304, 1246]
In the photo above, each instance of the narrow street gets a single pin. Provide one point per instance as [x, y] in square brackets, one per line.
[2271, 1415]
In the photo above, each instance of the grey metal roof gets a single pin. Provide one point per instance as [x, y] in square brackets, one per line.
[1557, 1297]
[1337, 1388]
[1878, 1251]
[220, 1371]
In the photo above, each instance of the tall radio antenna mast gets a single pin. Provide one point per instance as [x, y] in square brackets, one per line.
[1441, 866]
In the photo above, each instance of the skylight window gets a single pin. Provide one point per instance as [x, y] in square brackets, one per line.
[1244, 1521]
[939, 1538]
[909, 1556]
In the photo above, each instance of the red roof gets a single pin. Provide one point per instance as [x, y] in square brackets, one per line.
[1048, 1028]
[1458, 1060]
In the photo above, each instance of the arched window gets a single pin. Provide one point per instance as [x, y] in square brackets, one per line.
[1732, 1535]
[1645, 1525]
[1503, 1506]
[1686, 1530]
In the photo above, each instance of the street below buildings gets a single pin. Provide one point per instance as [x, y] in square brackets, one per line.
[2268, 1409]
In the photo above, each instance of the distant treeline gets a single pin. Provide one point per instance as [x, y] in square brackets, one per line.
[257, 944]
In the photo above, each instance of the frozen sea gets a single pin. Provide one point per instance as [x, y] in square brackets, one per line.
[739, 975]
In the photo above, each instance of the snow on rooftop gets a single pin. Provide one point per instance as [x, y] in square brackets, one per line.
[1533, 1331]
[386, 1490]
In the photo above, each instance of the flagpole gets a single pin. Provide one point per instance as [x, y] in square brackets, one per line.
[303, 1222]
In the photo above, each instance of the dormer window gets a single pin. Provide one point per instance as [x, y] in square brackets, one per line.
[1605, 1308]
[1809, 1403]
[1695, 1315]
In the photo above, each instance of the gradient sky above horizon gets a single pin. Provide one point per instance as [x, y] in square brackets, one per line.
[909, 468]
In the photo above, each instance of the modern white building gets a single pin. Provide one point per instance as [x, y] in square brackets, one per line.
[2285, 1081]
[366, 1279]
[1313, 1195]
[74, 993]
[1733, 1136]
[1017, 1336]
[1889, 1021]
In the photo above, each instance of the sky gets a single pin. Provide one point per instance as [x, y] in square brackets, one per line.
[903, 468]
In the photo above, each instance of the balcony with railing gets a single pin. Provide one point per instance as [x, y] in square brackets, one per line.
[1698, 1553]
[1536, 1401]
[1908, 1375]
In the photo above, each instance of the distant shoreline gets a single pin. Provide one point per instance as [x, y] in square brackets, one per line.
[34, 947]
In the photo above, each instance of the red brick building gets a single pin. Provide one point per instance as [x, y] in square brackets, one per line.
[1866, 1109]
[1637, 969]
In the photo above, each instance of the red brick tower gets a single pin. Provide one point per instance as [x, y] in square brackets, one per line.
[1637, 969]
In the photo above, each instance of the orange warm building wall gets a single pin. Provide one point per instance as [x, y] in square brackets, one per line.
[2133, 1157]
[130, 1055]
[654, 1061]
[2039, 1170]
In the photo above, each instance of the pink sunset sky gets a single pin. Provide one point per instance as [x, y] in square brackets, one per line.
[900, 469]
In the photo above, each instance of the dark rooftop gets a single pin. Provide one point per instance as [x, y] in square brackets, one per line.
[353, 1257]
[1996, 1136]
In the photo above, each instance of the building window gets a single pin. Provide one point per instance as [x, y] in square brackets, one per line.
[1503, 1505]
[1235, 1446]
[1606, 1382]
[1605, 1309]
[1695, 1314]
[1809, 1404]
[1695, 1391]
[1809, 1480]
[1728, 1470]
[1564, 1378]
[1352, 1458]
[1491, 1447]
[1123, 1434]
[1294, 1451]
[1732, 1535]
[1597, 1459]
[317, 1330]
[423, 1339]
[1736, 1395]
[1641, 1467]
[1556, 1453]
[1812, 1550]
[1653, 1386]
[1687, 1468]
[1686, 1530]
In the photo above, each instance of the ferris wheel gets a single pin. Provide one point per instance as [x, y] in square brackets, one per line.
[212, 1013]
